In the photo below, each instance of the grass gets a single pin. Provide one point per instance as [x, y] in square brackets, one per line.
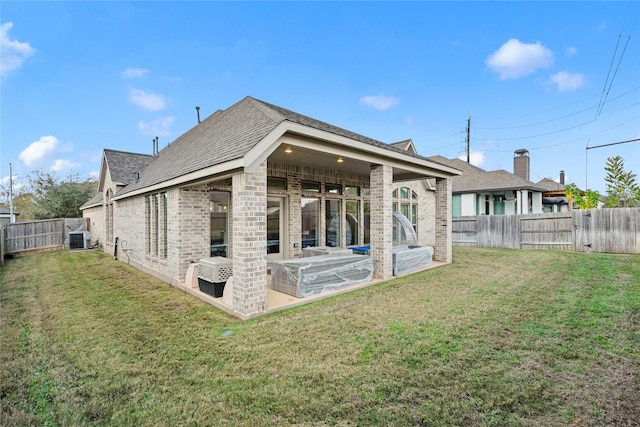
[499, 337]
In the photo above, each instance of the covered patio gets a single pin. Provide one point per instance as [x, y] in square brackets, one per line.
[278, 301]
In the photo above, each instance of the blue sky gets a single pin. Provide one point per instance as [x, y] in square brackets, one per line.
[549, 77]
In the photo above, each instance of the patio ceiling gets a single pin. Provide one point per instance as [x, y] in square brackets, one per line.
[351, 164]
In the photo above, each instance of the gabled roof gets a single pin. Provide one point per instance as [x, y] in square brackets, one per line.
[123, 165]
[550, 185]
[475, 179]
[226, 137]
[406, 145]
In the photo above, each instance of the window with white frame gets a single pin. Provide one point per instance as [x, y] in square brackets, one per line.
[405, 201]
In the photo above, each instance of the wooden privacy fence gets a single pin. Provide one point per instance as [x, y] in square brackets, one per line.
[43, 234]
[596, 230]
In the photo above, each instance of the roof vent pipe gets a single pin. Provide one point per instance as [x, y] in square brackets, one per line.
[562, 177]
[198, 113]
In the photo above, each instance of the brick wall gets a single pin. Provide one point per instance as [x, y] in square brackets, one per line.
[442, 250]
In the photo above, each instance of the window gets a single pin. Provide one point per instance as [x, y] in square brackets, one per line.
[109, 216]
[277, 183]
[352, 191]
[313, 187]
[310, 225]
[219, 222]
[367, 222]
[351, 226]
[333, 188]
[156, 225]
[333, 222]
[405, 201]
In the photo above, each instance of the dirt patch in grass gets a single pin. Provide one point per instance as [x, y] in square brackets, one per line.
[497, 338]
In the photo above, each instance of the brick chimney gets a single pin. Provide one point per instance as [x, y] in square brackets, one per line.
[521, 164]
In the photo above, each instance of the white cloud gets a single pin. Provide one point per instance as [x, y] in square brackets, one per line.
[40, 150]
[566, 81]
[147, 100]
[379, 102]
[44, 154]
[158, 127]
[476, 158]
[12, 52]
[132, 73]
[62, 165]
[515, 59]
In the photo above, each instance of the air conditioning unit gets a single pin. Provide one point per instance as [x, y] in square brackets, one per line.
[213, 274]
[79, 240]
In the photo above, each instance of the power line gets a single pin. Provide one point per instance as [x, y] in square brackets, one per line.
[557, 118]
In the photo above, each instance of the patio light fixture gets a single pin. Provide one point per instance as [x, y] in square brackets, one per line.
[288, 150]
[340, 160]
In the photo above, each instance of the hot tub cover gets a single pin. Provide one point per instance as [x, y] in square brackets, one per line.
[308, 276]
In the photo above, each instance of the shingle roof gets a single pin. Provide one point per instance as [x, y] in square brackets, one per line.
[550, 185]
[7, 211]
[475, 179]
[122, 165]
[229, 135]
[93, 201]
[406, 145]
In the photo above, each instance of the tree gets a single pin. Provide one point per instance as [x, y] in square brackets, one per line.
[54, 199]
[587, 199]
[622, 189]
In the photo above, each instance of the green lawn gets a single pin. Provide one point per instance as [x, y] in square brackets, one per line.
[499, 337]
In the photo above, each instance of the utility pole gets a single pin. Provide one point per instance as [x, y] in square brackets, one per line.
[469, 140]
[12, 217]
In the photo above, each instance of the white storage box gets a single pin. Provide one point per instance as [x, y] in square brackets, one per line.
[213, 273]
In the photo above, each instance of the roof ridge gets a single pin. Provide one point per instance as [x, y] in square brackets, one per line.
[267, 109]
[126, 152]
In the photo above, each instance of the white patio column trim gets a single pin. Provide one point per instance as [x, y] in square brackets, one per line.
[443, 250]
[381, 221]
[249, 230]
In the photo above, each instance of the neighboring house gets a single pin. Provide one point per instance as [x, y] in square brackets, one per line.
[554, 198]
[480, 192]
[256, 183]
[5, 215]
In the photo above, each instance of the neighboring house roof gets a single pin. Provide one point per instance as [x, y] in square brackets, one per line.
[7, 211]
[475, 179]
[229, 135]
[406, 145]
[550, 185]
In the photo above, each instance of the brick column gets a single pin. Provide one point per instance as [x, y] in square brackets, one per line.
[381, 221]
[294, 187]
[443, 220]
[249, 232]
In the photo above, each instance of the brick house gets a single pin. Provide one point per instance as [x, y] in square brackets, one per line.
[256, 183]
